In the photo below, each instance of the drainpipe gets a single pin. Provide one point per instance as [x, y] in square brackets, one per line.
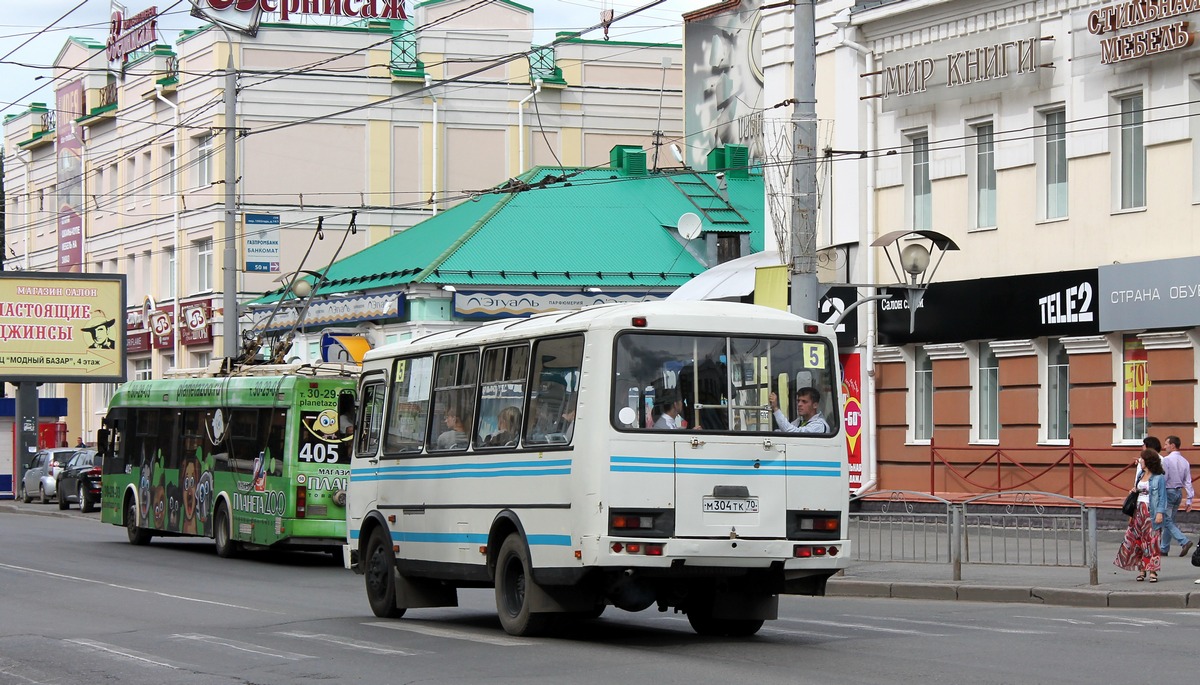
[28, 164]
[178, 265]
[434, 184]
[537, 88]
[872, 476]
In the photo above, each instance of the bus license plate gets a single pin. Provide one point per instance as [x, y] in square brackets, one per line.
[731, 506]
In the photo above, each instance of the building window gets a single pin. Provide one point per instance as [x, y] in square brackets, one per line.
[729, 246]
[204, 155]
[141, 370]
[203, 359]
[1133, 154]
[170, 286]
[130, 187]
[204, 265]
[922, 396]
[1135, 389]
[1055, 191]
[988, 388]
[922, 189]
[169, 169]
[1058, 392]
[985, 177]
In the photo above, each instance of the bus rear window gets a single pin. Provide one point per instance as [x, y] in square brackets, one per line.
[724, 383]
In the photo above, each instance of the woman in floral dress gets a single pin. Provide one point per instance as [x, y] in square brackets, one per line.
[1139, 551]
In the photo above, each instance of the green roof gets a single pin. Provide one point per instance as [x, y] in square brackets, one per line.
[581, 228]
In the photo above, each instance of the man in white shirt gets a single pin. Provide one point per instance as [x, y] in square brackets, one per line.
[669, 419]
[1179, 481]
[808, 413]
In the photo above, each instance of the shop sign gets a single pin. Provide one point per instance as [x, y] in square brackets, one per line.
[832, 305]
[489, 304]
[196, 324]
[960, 68]
[1006, 308]
[353, 9]
[128, 35]
[1149, 295]
[1142, 40]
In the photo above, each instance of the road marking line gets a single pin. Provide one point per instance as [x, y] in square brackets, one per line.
[453, 634]
[120, 652]
[365, 646]
[136, 589]
[960, 626]
[240, 646]
[861, 626]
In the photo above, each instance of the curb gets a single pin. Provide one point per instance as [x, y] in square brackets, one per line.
[1011, 594]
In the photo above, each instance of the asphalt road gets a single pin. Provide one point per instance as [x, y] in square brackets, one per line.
[79, 604]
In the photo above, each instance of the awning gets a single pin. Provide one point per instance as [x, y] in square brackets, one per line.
[734, 278]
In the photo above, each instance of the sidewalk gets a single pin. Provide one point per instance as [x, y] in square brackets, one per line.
[1068, 586]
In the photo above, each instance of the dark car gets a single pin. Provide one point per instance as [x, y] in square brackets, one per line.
[79, 481]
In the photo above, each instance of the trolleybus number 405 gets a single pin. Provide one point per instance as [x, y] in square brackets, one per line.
[731, 506]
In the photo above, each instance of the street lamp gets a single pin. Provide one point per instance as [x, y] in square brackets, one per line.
[910, 264]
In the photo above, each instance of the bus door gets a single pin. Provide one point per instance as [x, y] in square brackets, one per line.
[728, 489]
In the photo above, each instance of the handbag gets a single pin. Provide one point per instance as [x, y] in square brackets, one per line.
[1129, 508]
[1196, 556]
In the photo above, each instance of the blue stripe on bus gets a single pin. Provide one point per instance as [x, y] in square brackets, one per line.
[468, 538]
[625, 464]
[478, 465]
[365, 477]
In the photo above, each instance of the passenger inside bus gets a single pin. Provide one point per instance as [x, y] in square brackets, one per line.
[668, 408]
[508, 426]
[455, 435]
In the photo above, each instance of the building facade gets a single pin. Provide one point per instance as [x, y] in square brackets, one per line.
[374, 124]
[1055, 144]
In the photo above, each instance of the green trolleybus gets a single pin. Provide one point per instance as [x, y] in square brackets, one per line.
[258, 459]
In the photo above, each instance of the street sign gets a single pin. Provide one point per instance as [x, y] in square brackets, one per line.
[262, 247]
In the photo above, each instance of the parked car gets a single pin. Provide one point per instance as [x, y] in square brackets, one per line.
[79, 481]
[41, 473]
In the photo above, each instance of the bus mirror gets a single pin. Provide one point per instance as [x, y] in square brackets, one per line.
[102, 441]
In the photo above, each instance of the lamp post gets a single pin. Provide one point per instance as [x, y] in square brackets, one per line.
[230, 302]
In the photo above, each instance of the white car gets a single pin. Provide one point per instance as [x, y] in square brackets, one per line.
[41, 473]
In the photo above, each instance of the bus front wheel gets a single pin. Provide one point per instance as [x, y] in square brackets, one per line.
[227, 547]
[137, 534]
[380, 574]
[513, 578]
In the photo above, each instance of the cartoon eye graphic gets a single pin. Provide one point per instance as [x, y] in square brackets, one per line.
[326, 422]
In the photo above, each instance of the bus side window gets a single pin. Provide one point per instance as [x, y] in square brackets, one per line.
[502, 395]
[408, 408]
[370, 420]
[552, 401]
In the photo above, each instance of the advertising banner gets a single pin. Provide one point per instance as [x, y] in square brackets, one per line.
[262, 246]
[1158, 294]
[487, 304]
[852, 416]
[69, 177]
[62, 328]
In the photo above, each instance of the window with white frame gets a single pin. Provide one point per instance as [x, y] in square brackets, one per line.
[169, 169]
[985, 177]
[988, 393]
[1058, 391]
[1135, 389]
[144, 188]
[1133, 153]
[141, 370]
[204, 265]
[169, 286]
[130, 188]
[107, 390]
[204, 155]
[133, 280]
[922, 395]
[1054, 191]
[922, 189]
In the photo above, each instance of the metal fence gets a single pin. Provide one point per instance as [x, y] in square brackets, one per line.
[1024, 528]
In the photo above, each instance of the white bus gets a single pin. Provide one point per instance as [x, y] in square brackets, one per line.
[529, 455]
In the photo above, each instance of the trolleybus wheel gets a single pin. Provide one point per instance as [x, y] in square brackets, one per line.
[380, 574]
[513, 575]
[137, 535]
[223, 533]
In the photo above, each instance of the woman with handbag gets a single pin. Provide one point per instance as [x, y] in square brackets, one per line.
[1139, 551]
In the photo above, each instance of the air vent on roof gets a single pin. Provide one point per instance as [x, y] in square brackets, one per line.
[737, 161]
[635, 163]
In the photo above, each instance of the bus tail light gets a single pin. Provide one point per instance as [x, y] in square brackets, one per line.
[806, 524]
[301, 501]
[643, 523]
[650, 549]
[808, 551]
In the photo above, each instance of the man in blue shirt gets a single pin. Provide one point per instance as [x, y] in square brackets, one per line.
[1179, 481]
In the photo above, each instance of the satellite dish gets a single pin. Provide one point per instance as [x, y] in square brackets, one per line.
[678, 154]
[688, 225]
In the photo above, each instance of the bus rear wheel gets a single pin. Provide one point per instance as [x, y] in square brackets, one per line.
[513, 577]
[380, 574]
[227, 547]
[137, 535]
